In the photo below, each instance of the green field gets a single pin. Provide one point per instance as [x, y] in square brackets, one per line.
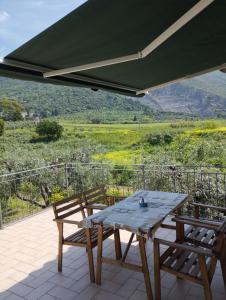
[181, 142]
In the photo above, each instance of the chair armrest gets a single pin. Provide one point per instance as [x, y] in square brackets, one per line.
[190, 248]
[223, 209]
[67, 221]
[99, 206]
[197, 222]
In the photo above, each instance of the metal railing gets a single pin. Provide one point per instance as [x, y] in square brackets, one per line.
[29, 191]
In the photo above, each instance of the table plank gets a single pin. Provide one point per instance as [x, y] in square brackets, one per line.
[127, 214]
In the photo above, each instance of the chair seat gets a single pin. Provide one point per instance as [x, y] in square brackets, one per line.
[185, 262]
[80, 236]
[200, 236]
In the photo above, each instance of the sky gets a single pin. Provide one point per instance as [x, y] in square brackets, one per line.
[20, 20]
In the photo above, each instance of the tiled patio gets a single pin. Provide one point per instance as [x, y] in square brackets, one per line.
[28, 268]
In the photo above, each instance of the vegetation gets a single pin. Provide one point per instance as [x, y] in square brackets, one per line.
[85, 105]
[2, 125]
[111, 129]
[49, 130]
[182, 143]
[10, 110]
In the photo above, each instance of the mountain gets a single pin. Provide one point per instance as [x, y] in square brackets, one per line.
[48, 99]
[203, 96]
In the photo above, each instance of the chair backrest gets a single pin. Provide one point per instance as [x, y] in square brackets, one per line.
[220, 246]
[69, 206]
[95, 195]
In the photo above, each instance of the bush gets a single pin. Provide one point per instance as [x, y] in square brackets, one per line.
[96, 121]
[49, 129]
[1, 127]
[154, 139]
[168, 138]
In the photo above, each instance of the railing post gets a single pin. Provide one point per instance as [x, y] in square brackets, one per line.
[1, 220]
[143, 176]
[66, 178]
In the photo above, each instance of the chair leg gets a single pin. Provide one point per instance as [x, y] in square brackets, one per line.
[118, 249]
[89, 251]
[223, 269]
[60, 246]
[205, 278]
[157, 271]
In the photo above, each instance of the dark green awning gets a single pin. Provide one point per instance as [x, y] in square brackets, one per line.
[101, 30]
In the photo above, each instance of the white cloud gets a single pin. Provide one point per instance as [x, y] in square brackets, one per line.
[3, 16]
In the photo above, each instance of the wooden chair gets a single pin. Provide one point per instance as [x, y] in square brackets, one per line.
[86, 238]
[97, 198]
[198, 235]
[189, 261]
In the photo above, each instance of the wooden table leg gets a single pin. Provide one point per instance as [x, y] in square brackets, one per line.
[145, 267]
[118, 249]
[128, 247]
[90, 255]
[99, 254]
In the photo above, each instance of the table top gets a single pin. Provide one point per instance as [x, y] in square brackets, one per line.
[127, 214]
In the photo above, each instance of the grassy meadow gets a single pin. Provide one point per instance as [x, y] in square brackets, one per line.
[180, 142]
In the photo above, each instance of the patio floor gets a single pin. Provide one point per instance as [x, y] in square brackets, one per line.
[28, 268]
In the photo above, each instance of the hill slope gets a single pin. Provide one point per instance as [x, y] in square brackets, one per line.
[203, 96]
[54, 99]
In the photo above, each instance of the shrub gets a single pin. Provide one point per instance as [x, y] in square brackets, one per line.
[1, 127]
[168, 138]
[49, 129]
[96, 121]
[154, 139]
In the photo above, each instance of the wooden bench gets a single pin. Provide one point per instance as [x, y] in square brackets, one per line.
[86, 238]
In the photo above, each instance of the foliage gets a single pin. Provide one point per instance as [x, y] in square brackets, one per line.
[2, 126]
[117, 144]
[158, 139]
[10, 110]
[121, 175]
[95, 121]
[49, 129]
[85, 105]
[154, 139]
[182, 124]
[167, 138]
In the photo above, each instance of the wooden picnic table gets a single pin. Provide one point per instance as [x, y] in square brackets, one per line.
[142, 222]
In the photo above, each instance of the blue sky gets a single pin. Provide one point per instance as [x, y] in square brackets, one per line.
[20, 20]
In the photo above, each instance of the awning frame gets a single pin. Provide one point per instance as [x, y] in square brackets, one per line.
[222, 68]
[183, 20]
[28, 66]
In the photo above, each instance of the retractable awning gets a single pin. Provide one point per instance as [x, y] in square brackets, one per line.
[127, 46]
